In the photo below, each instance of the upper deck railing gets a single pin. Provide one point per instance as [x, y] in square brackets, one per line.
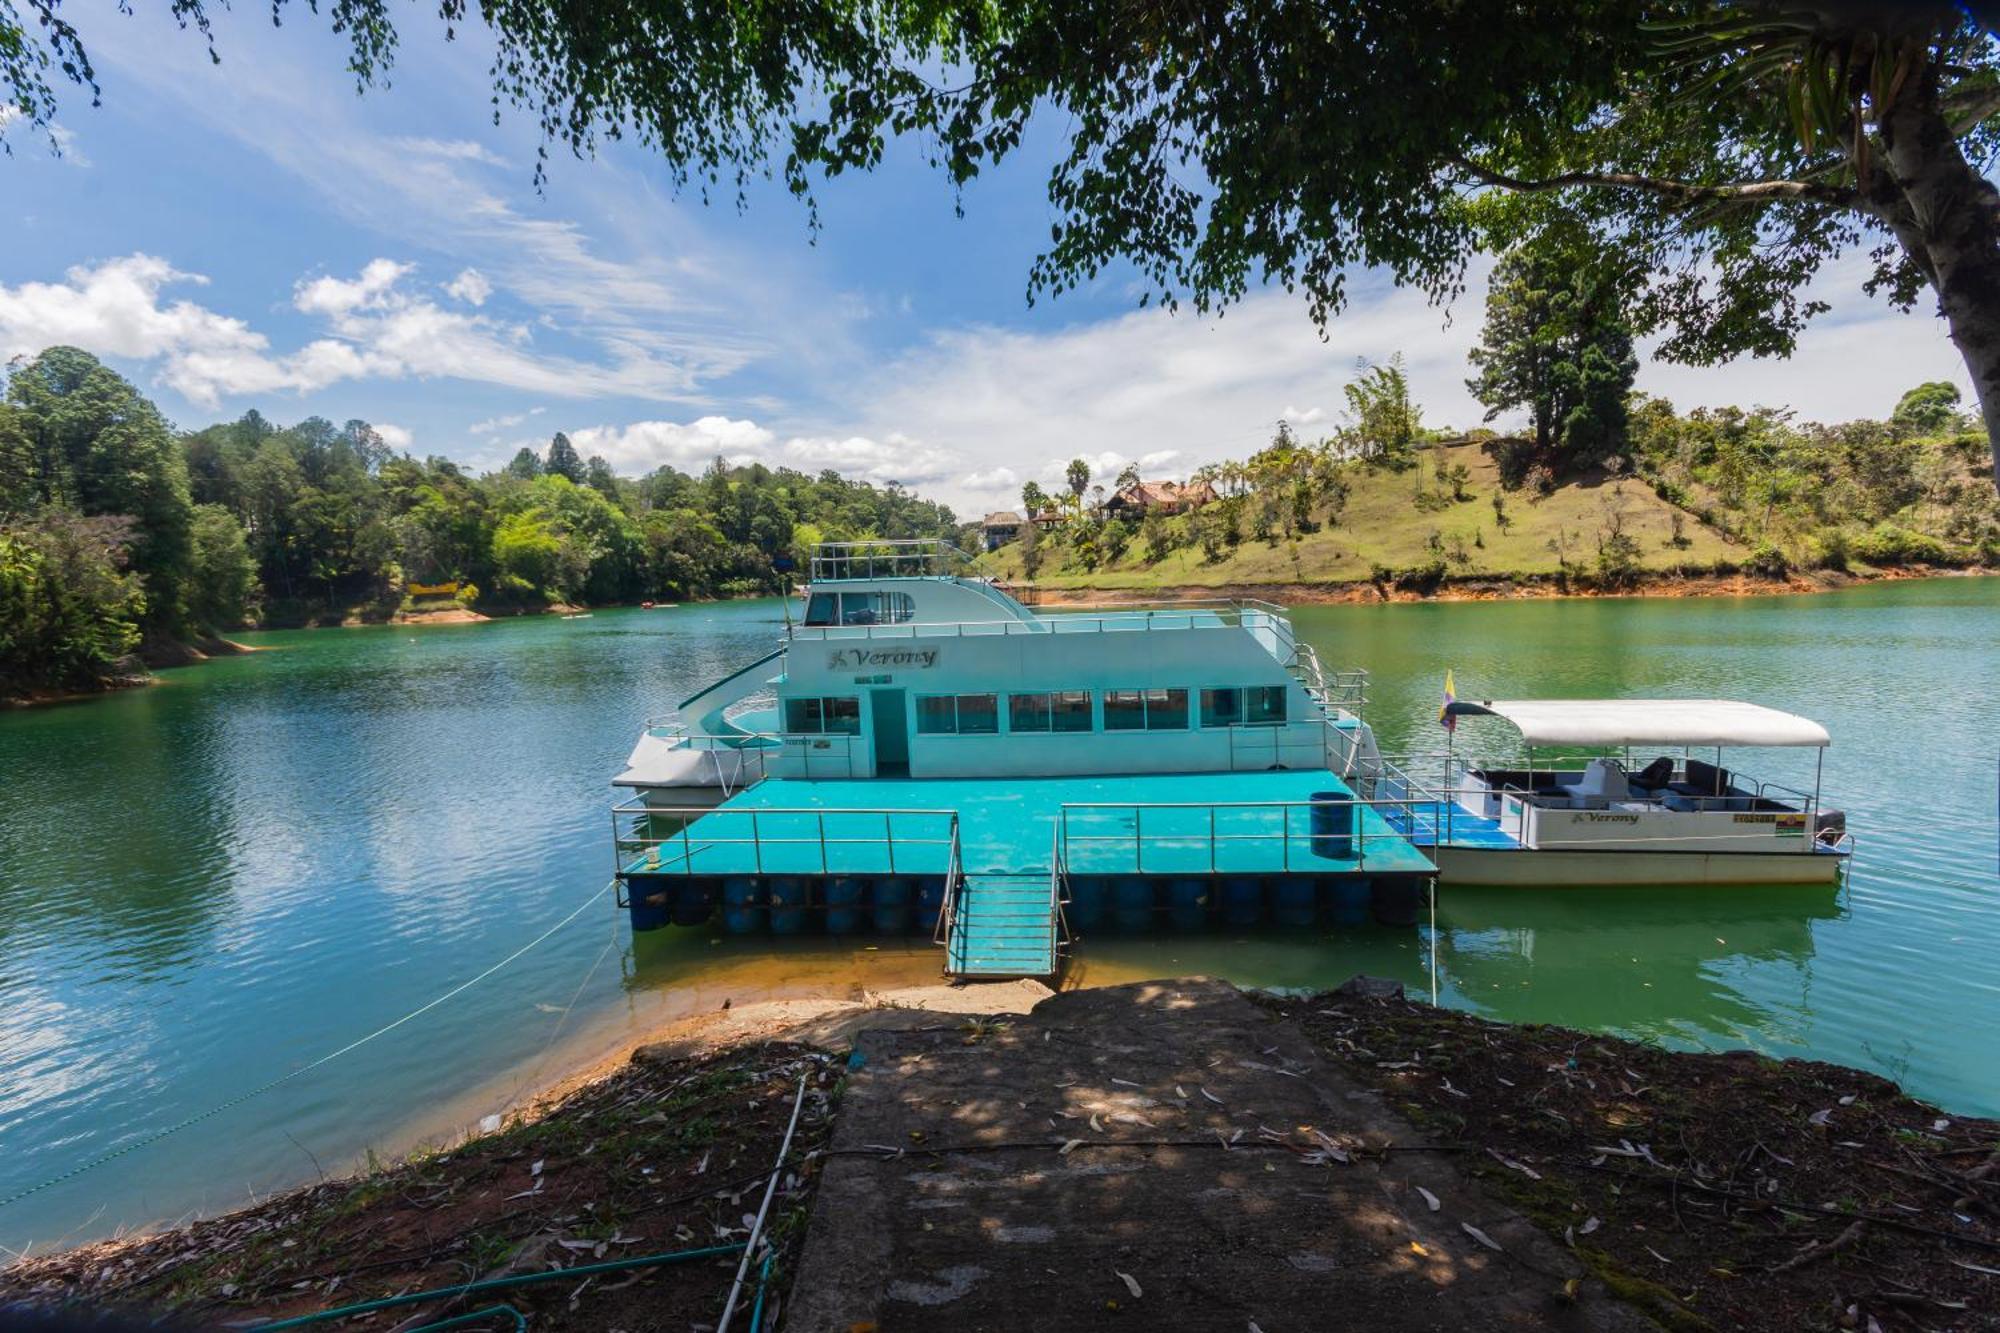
[1113, 618]
[888, 558]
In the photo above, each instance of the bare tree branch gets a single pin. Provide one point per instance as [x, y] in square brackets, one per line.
[1684, 191]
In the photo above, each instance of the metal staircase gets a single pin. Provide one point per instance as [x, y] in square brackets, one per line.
[1002, 923]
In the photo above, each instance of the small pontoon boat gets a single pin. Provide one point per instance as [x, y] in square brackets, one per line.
[1625, 800]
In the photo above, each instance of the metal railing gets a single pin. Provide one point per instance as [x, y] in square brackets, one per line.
[1058, 897]
[780, 840]
[1123, 619]
[805, 754]
[948, 906]
[1203, 831]
[896, 558]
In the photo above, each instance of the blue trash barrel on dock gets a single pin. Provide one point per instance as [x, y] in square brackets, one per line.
[930, 903]
[844, 896]
[694, 899]
[1187, 903]
[1242, 900]
[650, 900]
[1332, 825]
[1086, 901]
[1132, 902]
[790, 896]
[1295, 900]
[892, 905]
[742, 905]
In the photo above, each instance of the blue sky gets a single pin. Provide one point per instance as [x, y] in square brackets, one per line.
[255, 234]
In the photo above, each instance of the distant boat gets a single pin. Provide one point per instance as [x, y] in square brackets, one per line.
[576, 615]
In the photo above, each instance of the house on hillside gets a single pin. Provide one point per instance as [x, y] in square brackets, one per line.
[1048, 517]
[999, 528]
[1164, 497]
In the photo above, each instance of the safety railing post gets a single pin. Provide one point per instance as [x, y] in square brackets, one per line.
[756, 842]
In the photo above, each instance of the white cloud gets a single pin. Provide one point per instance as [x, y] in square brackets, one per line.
[451, 150]
[470, 286]
[642, 446]
[1302, 416]
[500, 423]
[337, 297]
[398, 438]
[992, 480]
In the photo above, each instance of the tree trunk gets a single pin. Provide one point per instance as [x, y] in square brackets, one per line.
[1951, 226]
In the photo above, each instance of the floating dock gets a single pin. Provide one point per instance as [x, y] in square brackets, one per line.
[1005, 872]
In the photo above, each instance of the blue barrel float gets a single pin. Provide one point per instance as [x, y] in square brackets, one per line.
[1187, 903]
[892, 905]
[694, 899]
[1086, 902]
[1346, 899]
[1295, 900]
[1332, 822]
[651, 900]
[742, 905]
[1132, 902]
[790, 896]
[1242, 900]
[844, 894]
[930, 902]
[1398, 901]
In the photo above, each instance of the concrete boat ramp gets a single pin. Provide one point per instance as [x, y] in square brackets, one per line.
[1165, 1155]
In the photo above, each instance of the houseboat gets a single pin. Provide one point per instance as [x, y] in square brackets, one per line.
[1613, 791]
[922, 750]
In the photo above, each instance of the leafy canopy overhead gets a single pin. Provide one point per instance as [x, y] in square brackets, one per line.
[1724, 153]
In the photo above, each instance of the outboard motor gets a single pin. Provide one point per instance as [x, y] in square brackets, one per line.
[1829, 826]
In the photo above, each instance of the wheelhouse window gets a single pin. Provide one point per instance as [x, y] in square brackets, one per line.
[823, 717]
[958, 714]
[860, 608]
[1254, 706]
[1058, 710]
[1146, 710]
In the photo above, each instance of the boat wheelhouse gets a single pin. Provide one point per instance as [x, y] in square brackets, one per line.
[1612, 791]
[925, 750]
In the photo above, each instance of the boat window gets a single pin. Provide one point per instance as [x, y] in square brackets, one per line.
[1060, 710]
[815, 717]
[876, 608]
[822, 609]
[1124, 710]
[1221, 708]
[1145, 710]
[958, 714]
[1264, 703]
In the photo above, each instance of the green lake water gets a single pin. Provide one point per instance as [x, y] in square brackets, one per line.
[206, 885]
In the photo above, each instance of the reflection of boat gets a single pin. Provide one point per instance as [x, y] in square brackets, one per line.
[1633, 959]
[942, 756]
[1595, 815]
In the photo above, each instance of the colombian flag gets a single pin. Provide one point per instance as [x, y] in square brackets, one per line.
[1445, 717]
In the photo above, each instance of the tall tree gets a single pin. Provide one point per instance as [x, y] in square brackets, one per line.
[563, 460]
[1555, 342]
[1077, 474]
[526, 464]
[1033, 498]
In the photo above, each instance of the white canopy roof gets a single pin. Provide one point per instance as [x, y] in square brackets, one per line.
[1648, 722]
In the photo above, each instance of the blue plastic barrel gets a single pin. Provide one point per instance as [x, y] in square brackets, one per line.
[1348, 899]
[1242, 900]
[790, 897]
[742, 905]
[892, 905]
[1332, 824]
[1086, 901]
[694, 899]
[844, 894]
[1295, 901]
[1132, 902]
[930, 902]
[1398, 901]
[1187, 903]
[650, 900]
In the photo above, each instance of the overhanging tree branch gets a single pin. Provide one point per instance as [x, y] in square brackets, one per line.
[1839, 196]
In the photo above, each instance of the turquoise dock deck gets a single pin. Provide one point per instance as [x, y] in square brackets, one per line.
[1433, 823]
[1010, 831]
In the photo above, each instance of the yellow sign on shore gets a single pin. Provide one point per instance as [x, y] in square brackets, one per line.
[434, 589]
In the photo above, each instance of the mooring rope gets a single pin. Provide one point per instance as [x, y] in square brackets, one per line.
[304, 1069]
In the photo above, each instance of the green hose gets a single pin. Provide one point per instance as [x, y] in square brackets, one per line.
[757, 1310]
[520, 1320]
[496, 1283]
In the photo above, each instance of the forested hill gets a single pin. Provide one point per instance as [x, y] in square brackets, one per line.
[120, 535]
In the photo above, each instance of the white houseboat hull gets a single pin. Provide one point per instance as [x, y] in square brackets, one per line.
[1567, 868]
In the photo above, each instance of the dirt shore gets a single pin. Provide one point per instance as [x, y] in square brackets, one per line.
[1500, 588]
[1698, 1191]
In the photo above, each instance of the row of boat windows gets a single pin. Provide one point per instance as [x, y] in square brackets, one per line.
[1051, 711]
[859, 608]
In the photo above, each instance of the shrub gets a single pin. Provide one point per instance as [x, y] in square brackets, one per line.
[1833, 549]
[1887, 544]
[1769, 561]
[467, 595]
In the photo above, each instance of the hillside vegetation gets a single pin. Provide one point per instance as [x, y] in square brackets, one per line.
[1711, 492]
